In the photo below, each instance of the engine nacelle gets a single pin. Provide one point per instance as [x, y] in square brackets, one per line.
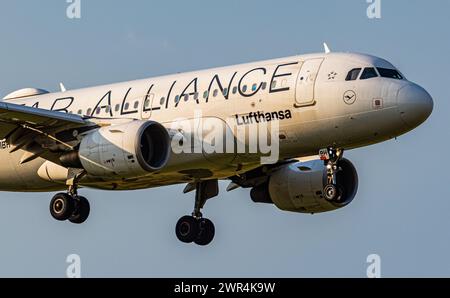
[125, 150]
[299, 186]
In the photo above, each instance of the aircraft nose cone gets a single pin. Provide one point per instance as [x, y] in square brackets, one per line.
[415, 104]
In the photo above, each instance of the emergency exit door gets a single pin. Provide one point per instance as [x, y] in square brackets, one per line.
[306, 80]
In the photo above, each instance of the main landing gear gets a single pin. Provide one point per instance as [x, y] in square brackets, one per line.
[70, 206]
[331, 156]
[195, 228]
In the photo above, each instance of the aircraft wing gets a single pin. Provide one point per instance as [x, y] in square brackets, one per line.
[13, 115]
[38, 131]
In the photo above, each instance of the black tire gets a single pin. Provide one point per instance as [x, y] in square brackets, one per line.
[206, 232]
[82, 210]
[62, 206]
[187, 229]
[332, 193]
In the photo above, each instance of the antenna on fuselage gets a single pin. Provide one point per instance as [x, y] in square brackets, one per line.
[62, 87]
[326, 48]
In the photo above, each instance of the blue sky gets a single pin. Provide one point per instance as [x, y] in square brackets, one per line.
[400, 212]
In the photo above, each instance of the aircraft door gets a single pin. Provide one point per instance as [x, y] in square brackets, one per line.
[304, 91]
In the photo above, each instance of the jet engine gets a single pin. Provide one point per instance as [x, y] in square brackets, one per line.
[128, 150]
[299, 187]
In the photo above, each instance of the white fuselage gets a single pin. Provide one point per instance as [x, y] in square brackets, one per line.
[315, 105]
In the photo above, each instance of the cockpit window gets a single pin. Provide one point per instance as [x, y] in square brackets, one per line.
[353, 74]
[368, 72]
[389, 73]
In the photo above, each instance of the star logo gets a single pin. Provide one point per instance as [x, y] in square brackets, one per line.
[332, 75]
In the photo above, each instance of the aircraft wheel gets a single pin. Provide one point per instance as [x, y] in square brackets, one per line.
[82, 209]
[62, 206]
[206, 232]
[187, 229]
[332, 193]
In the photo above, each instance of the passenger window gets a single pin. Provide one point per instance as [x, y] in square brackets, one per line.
[196, 95]
[215, 92]
[177, 99]
[127, 105]
[274, 84]
[234, 90]
[368, 73]
[80, 112]
[97, 111]
[186, 97]
[254, 86]
[117, 107]
[136, 104]
[225, 91]
[353, 74]
[107, 108]
[244, 88]
[389, 73]
[89, 111]
[263, 86]
[162, 100]
[147, 103]
[205, 94]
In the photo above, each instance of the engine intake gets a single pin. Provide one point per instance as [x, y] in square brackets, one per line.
[126, 150]
[299, 186]
[152, 146]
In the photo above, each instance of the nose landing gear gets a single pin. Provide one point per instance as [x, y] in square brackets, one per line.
[70, 206]
[195, 228]
[331, 156]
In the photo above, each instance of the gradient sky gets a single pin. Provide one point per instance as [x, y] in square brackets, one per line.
[402, 208]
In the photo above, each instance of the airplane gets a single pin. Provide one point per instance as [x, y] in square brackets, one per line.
[121, 136]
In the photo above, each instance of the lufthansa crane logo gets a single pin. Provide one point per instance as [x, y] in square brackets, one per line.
[349, 97]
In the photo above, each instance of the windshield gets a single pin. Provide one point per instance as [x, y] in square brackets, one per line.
[353, 74]
[368, 72]
[389, 73]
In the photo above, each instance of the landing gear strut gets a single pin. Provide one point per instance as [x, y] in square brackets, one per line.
[195, 228]
[331, 156]
[70, 206]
